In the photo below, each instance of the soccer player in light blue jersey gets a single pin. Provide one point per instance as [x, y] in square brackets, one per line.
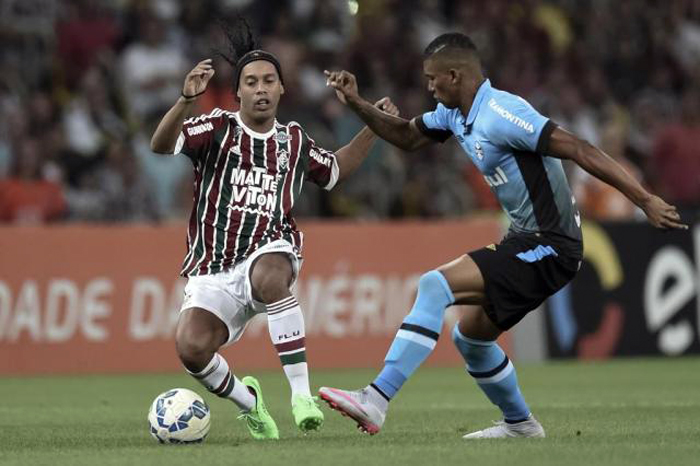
[519, 152]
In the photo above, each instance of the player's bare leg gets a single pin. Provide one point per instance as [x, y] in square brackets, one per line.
[198, 337]
[465, 280]
[271, 276]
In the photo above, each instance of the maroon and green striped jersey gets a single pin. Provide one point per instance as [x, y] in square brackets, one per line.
[245, 186]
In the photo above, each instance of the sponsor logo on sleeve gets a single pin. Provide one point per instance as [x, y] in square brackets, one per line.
[320, 158]
[199, 129]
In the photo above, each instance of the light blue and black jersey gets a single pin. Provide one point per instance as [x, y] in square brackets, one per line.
[506, 138]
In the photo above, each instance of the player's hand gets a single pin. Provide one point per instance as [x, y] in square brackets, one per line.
[345, 85]
[663, 215]
[387, 106]
[196, 80]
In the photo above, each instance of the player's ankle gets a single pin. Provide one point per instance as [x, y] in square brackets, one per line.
[377, 397]
[252, 392]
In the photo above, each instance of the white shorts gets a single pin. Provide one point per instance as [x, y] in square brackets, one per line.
[229, 294]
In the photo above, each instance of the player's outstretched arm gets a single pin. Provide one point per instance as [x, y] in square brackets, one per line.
[400, 132]
[168, 130]
[351, 155]
[565, 145]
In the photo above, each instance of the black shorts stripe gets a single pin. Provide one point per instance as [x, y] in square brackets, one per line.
[513, 287]
[439, 135]
[540, 191]
[492, 372]
[421, 330]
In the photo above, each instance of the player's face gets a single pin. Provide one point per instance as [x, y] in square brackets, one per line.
[260, 89]
[441, 83]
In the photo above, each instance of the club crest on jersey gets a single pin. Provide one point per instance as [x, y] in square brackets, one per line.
[478, 150]
[281, 137]
[282, 160]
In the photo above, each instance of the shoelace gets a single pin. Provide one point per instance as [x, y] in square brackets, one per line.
[364, 396]
[251, 421]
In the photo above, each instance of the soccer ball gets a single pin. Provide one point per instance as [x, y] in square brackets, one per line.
[179, 416]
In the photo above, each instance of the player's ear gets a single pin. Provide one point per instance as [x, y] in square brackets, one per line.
[238, 93]
[281, 88]
[454, 75]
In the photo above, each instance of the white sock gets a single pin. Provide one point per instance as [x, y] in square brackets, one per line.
[218, 379]
[286, 326]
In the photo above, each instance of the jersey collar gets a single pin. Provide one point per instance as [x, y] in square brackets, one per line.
[484, 89]
[255, 134]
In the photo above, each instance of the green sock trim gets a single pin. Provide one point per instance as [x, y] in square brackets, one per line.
[294, 358]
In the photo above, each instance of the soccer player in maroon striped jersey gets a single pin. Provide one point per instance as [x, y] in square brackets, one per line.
[244, 249]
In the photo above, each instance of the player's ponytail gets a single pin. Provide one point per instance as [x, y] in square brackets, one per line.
[243, 49]
[240, 40]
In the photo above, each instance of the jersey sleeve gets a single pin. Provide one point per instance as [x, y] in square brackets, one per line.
[322, 164]
[197, 134]
[435, 124]
[515, 124]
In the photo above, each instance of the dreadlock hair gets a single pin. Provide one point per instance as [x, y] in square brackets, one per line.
[240, 40]
[243, 49]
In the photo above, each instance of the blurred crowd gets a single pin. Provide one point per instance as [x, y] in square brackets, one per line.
[85, 82]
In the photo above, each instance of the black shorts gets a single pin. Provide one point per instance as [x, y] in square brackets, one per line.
[522, 271]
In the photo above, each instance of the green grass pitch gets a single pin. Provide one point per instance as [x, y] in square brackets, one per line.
[624, 412]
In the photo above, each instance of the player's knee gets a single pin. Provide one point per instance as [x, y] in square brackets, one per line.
[195, 349]
[468, 347]
[270, 287]
[428, 283]
[270, 278]
[459, 341]
[433, 287]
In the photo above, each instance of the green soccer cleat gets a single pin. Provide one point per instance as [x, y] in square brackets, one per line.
[259, 422]
[307, 415]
